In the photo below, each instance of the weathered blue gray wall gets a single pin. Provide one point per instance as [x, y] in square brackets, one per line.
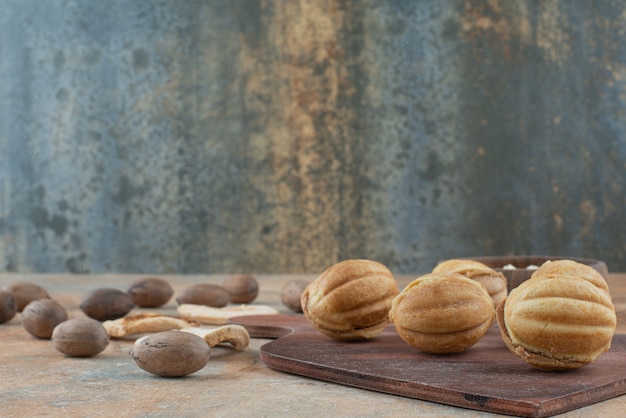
[284, 136]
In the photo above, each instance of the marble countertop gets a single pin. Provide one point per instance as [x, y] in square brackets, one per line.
[37, 381]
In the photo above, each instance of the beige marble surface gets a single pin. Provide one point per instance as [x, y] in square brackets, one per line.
[36, 381]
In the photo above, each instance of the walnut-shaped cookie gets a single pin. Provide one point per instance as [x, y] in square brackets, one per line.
[442, 313]
[558, 321]
[350, 300]
[494, 281]
[572, 268]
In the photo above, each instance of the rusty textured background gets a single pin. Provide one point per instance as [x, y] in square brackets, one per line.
[284, 136]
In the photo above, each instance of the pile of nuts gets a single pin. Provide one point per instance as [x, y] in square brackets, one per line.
[45, 318]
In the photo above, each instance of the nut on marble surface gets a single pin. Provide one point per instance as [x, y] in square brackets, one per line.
[291, 293]
[106, 304]
[80, 337]
[8, 306]
[25, 292]
[150, 292]
[171, 353]
[41, 316]
[204, 294]
[241, 288]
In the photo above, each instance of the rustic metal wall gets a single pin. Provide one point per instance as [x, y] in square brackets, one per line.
[284, 136]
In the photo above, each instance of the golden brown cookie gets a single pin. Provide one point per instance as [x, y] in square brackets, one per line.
[494, 281]
[558, 321]
[572, 268]
[350, 300]
[442, 313]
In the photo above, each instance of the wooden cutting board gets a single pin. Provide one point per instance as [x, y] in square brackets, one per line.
[487, 377]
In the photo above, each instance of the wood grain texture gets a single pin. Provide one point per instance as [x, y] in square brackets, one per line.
[486, 377]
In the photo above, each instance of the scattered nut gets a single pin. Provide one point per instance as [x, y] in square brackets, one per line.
[144, 323]
[80, 337]
[220, 316]
[242, 288]
[105, 303]
[25, 292]
[205, 294]
[41, 316]
[171, 353]
[291, 292]
[235, 335]
[8, 306]
[150, 292]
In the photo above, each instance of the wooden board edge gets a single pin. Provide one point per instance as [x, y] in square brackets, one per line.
[409, 390]
[444, 396]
